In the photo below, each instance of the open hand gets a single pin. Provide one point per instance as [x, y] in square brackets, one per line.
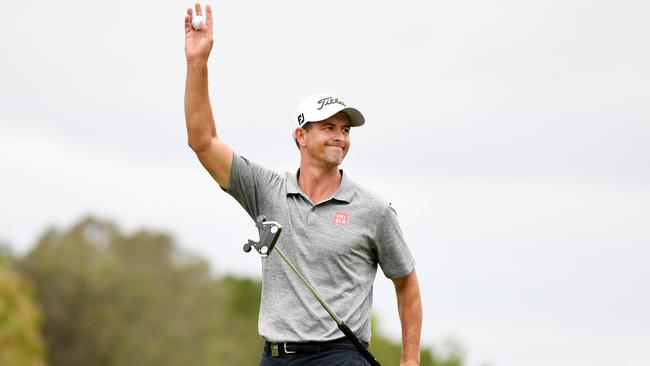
[198, 42]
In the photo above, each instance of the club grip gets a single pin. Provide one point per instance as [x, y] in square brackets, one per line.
[357, 343]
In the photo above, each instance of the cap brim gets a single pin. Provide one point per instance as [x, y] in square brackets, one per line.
[356, 118]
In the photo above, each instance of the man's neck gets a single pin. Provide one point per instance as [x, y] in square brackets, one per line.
[319, 183]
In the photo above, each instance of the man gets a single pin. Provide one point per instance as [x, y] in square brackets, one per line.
[335, 231]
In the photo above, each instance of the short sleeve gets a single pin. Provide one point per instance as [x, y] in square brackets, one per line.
[393, 254]
[249, 182]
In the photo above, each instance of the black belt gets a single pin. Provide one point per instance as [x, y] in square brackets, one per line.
[276, 349]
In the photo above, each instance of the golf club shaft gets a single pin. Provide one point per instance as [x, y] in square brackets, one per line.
[342, 326]
[309, 286]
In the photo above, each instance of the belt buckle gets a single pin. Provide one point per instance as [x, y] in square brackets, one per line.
[285, 349]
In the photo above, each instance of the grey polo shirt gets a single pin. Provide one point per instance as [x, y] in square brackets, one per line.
[336, 244]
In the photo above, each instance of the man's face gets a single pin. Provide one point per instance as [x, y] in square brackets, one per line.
[328, 141]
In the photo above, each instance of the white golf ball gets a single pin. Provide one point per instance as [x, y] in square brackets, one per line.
[197, 20]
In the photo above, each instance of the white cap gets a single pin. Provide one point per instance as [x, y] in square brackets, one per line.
[318, 107]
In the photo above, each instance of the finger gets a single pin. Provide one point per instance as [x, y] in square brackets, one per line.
[189, 12]
[197, 6]
[188, 24]
[208, 16]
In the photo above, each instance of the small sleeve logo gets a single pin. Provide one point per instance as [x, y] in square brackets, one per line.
[341, 218]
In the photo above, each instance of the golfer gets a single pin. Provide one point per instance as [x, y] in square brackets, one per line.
[334, 230]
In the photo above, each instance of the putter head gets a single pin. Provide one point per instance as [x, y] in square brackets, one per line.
[269, 233]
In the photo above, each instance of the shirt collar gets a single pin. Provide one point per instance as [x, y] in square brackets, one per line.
[344, 193]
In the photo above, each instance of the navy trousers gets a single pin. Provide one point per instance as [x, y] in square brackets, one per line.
[333, 357]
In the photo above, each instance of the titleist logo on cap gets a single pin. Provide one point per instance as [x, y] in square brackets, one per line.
[329, 100]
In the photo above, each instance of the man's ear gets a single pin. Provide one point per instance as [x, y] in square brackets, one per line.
[300, 135]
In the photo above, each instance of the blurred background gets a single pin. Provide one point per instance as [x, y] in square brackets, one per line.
[512, 138]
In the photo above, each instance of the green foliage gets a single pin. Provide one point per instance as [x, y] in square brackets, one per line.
[112, 299]
[21, 343]
[123, 300]
[389, 352]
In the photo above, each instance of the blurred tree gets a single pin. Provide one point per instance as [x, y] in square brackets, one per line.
[123, 300]
[21, 343]
[112, 299]
[389, 352]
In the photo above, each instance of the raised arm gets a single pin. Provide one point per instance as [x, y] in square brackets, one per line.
[202, 136]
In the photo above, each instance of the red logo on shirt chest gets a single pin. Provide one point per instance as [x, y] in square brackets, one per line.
[341, 218]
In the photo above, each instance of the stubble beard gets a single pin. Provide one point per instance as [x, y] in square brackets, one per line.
[331, 156]
[334, 157]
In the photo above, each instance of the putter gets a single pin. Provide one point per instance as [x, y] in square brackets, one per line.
[269, 232]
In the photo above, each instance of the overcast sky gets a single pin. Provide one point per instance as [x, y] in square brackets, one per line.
[512, 137]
